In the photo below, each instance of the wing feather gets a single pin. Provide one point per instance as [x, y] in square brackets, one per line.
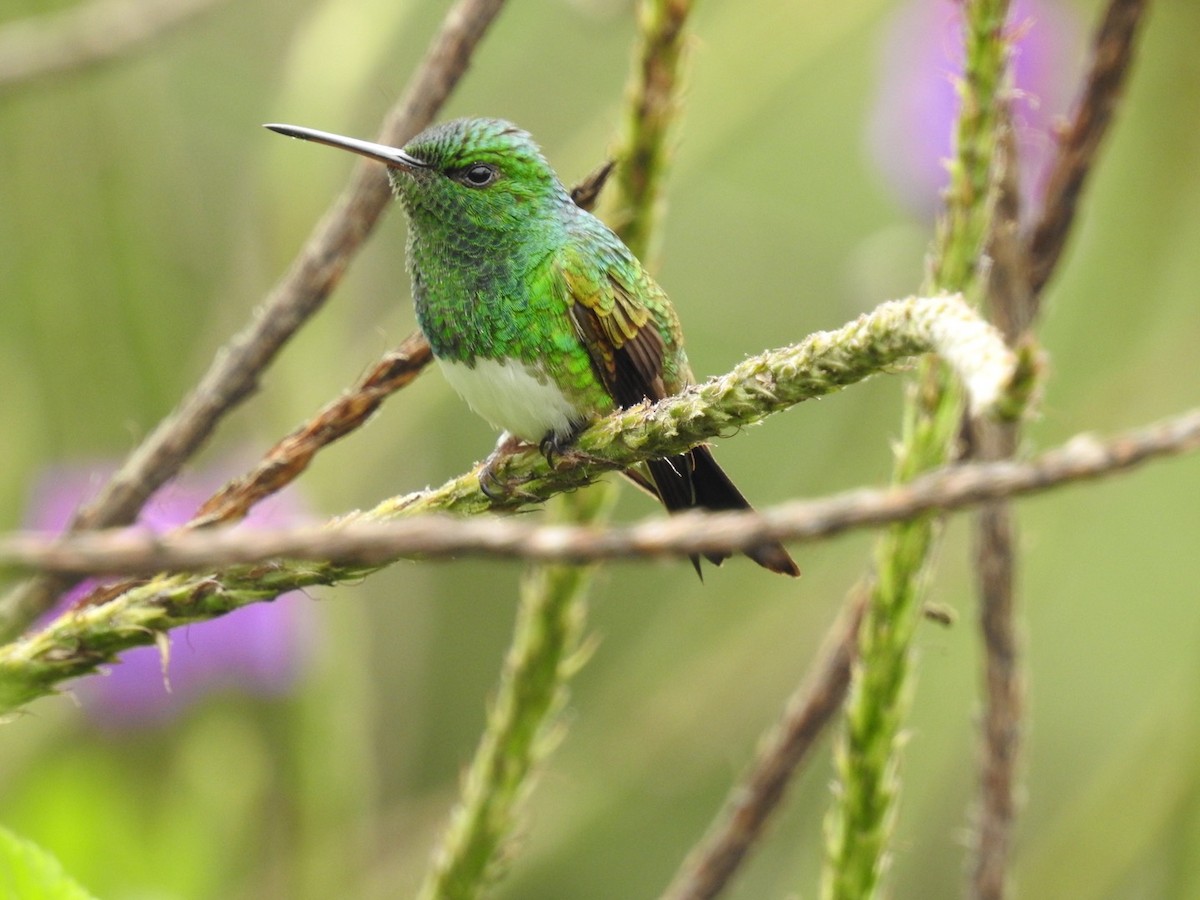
[622, 339]
[612, 308]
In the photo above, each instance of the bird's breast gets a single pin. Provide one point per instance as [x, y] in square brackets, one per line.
[514, 396]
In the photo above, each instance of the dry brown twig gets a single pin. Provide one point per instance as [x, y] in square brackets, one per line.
[86, 34]
[1021, 270]
[1104, 84]
[284, 463]
[372, 544]
[234, 373]
[995, 571]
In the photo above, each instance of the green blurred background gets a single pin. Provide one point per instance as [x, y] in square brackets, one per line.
[144, 213]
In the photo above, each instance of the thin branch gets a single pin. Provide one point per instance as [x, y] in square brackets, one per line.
[1011, 308]
[86, 34]
[1009, 303]
[712, 863]
[234, 373]
[78, 643]
[288, 459]
[1004, 702]
[1112, 56]
[995, 577]
[348, 548]
[1021, 269]
[284, 462]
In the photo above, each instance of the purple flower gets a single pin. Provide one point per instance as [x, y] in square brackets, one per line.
[910, 128]
[259, 649]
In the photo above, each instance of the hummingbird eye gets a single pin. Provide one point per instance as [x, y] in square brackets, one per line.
[479, 175]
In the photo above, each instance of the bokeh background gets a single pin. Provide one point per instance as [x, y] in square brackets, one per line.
[143, 214]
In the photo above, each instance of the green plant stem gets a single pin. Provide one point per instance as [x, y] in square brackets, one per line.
[520, 730]
[81, 640]
[867, 757]
[821, 364]
[652, 108]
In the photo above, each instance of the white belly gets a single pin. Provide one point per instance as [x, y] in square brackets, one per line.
[512, 397]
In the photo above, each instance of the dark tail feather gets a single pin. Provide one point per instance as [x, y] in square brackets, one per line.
[695, 480]
[714, 490]
[673, 481]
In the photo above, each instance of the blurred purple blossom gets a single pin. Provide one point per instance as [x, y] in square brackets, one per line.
[259, 649]
[910, 128]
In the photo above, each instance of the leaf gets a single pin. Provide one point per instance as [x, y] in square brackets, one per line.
[27, 872]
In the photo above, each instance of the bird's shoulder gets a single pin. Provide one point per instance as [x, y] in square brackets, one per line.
[621, 315]
[603, 274]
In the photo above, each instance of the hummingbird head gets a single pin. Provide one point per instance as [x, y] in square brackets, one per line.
[483, 174]
[473, 176]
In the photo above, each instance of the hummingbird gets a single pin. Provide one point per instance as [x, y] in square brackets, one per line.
[540, 317]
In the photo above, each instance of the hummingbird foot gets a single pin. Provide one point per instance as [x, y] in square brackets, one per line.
[560, 449]
[495, 488]
[555, 445]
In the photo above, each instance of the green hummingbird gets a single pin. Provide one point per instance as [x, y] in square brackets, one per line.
[539, 315]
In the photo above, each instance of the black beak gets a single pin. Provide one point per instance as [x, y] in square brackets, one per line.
[389, 156]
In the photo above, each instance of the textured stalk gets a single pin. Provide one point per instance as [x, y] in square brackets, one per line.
[867, 757]
[821, 364]
[79, 641]
[653, 103]
[520, 730]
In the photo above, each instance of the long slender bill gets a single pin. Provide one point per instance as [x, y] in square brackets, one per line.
[389, 156]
